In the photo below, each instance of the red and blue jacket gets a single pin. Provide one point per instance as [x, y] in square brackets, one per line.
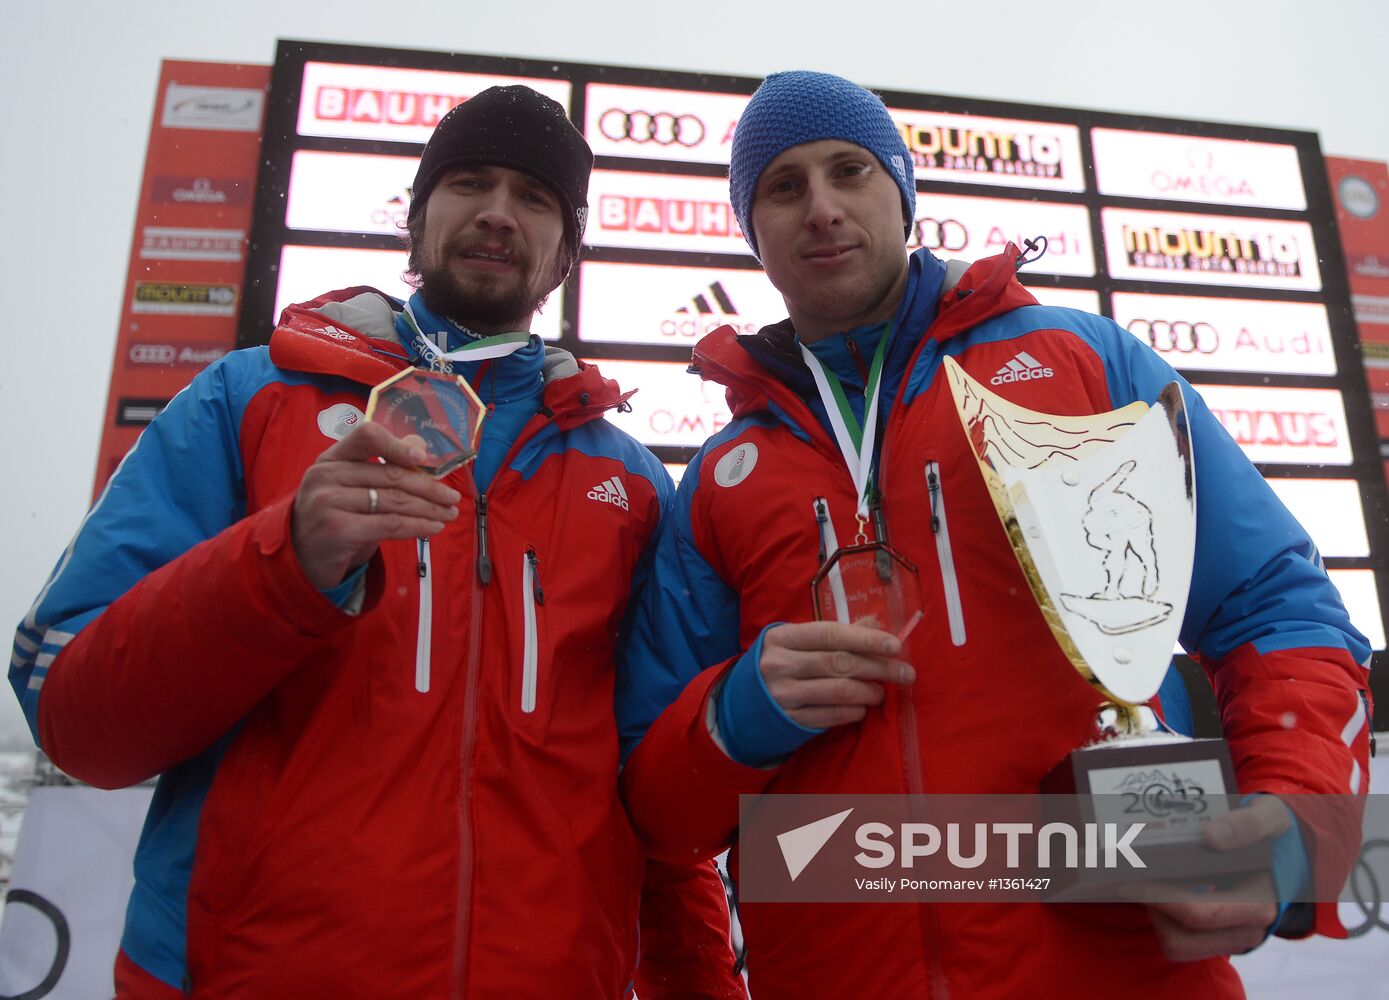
[321, 825]
[997, 704]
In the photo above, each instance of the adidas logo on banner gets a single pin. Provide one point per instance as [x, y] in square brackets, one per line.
[612, 491]
[1022, 368]
[720, 297]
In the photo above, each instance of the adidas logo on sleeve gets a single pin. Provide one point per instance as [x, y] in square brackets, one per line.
[1022, 368]
[611, 491]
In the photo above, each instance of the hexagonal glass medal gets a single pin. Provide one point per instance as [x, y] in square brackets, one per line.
[868, 584]
[440, 408]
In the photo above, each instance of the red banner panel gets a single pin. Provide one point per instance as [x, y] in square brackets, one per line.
[183, 288]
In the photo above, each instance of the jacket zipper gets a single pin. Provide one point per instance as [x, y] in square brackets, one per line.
[829, 545]
[425, 633]
[941, 528]
[484, 560]
[531, 595]
[465, 781]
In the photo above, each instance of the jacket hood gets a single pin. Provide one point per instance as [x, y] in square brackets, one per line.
[350, 333]
[985, 289]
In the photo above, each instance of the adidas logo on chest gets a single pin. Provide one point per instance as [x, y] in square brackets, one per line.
[611, 491]
[1023, 367]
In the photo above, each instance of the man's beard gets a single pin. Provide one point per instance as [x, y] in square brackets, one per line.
[479, 302]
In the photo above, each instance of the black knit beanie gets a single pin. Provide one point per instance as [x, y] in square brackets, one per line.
[518, 128]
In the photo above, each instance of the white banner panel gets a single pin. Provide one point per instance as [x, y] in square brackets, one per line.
[1210, 249]
[1371, 308]
[349, 192]
[1190, 168]
[662, 212]
[177, 243]
[74, 854]
[308, 272]
[971, 228]
[968, 149]
[1330, 510]
[672, 407]
[1238, 335]
[1283, 426]
[1361, 597]
[658, 304]
[655, 124]
[1069, 298]
[399, 105]
[215, 109]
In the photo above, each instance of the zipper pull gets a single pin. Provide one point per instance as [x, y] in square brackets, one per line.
[1369, 721]
[484, 561]
[858, 359]
[882, 561]
[535, 576]
[822, 518]
[422, 567]
[933, 487]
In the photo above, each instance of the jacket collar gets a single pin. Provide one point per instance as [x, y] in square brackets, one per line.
[761, 373]
[350, 333]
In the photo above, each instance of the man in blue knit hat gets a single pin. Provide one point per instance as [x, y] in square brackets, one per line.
[845, 433]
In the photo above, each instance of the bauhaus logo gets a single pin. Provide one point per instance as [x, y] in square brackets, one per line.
[383, 107]
[1022, 367]
[678, 216]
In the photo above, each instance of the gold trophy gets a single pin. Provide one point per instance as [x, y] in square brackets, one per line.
[1101, 514]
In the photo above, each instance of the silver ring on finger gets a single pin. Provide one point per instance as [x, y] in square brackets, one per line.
[373, 499]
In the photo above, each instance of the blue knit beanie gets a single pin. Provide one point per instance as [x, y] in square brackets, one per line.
[801, 106]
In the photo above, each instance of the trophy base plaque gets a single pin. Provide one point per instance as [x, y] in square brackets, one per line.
[1173, 785]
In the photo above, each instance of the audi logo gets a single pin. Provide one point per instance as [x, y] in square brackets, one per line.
[153, 354]
[1368, 891]
[940, 234]
[660, 127]
[1181, 336]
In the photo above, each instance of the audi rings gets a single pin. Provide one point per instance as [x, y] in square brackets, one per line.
[660, 127]
[1179, 336]
[940, 234]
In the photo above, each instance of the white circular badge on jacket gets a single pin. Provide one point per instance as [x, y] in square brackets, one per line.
[735, 466]
[340, 419]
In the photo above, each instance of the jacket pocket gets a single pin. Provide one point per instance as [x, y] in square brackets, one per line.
[829, 545]
[940, 527]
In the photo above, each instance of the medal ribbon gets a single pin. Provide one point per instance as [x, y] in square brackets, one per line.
[500, 346]
[855, 442]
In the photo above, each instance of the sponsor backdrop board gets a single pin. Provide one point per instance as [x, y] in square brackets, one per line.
[1215, 244]
[1361, 189]
[183, 286]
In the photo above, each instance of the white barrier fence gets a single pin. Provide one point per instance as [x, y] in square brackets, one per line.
[72, 874]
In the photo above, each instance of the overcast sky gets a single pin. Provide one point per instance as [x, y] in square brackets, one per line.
[79, 80]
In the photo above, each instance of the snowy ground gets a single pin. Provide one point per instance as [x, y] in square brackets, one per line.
[16, 777]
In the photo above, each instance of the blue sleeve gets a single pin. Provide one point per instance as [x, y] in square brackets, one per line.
[178, 486]
[755, 730]
[683, 620]
[1257, 578]
[339, 594]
